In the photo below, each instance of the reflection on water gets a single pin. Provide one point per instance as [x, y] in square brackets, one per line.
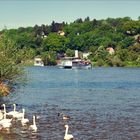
[103, 104]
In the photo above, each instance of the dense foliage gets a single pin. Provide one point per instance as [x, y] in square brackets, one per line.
[10, 71]
[95, 36]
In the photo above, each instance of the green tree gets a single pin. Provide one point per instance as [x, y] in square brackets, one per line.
[70, 53]
[10, 72]
[49, 57]
[55, 42]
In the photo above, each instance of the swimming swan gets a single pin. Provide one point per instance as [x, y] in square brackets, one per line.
[68, 136]
[4, 108]
[14, 112]
[5, 121]
[18, 115]
[6, 125]
[33, 127]
[1, 115]
[24, 121]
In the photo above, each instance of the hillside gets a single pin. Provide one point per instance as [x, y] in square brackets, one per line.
[122, 35]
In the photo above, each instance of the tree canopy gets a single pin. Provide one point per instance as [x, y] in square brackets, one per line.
[121, 34]
[10, 72]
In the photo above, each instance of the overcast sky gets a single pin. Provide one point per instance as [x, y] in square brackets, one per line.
[17, 13]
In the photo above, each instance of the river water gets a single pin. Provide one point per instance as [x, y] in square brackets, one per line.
[103, 104]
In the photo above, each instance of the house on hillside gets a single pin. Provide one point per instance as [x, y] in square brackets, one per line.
[38, 62]
[43, 35]
[61, 33]
[110, 50]
[85, 55]
[137, 38]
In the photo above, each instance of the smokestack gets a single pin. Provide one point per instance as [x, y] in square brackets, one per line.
[76, 53]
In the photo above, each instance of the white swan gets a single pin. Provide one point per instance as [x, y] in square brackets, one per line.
[67, 136]
[1, 115]
[18, 115]
[24, 121]
[14, 112]
[33, 127]
[6, 125]
[5, 121]
[4, 108]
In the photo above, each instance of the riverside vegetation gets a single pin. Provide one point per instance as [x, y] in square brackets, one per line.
[20, 46]
[11, 73]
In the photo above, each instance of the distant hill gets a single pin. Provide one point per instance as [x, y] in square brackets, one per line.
[122, 35]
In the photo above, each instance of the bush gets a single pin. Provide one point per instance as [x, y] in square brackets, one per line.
[10, 72]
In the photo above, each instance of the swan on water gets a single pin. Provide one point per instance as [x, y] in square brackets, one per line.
[67, 136]
[33, 126]
[4, 108]
[1, 115]
[18, 115]
[24, 121]
[5, 120]
[14, 112]
[5, 123]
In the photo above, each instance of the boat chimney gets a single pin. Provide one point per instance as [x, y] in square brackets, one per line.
[76, 53]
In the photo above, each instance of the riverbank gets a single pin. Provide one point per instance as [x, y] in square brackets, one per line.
[4, 89]
[94, 64]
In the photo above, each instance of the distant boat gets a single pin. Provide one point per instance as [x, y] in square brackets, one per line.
[81, 64]
[67, 64]
[38, 62]
[75, 62]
